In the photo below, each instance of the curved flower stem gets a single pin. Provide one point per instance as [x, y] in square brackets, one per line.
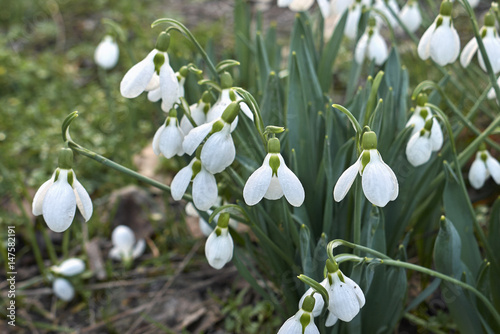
[254, 106]
[316, 286]
[390, 262]
[107, 162]
[185, 31]
[354, 122]
[339, 242]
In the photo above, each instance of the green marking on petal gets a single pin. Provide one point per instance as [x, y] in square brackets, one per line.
[305, 319]
[365, 159]
[196, 168]
[70, 177]
[158, 60]
[274, 163]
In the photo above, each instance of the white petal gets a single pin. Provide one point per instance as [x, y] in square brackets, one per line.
[40, 195]
[344, 302]
[205, 228]
[63, 289]
[492, 46]
[491, 92]
[352, 22]
[274, 191]
[59, 205]
[181, 181]
[83, 201]
[418, 149]
[445, 43]
[219, 151]
[468, 52]
[154, 95]
[377, 49]
[169, 86]
[424, 46]
[258, 183]
[478, 173]
[219, 249]
[360, 52]
[116, 254]
[70, 267]
[410, 16]
[218, 108]
[139, 248]
[246, 110]
[378, 181]
[357, 290]
[204, 190]
[106, 54]
[137, 78]
[194, 138]
[292, 325]
[494, 168]
[123, 238]
[284, 3]
[290, 184]
[331, 320]
[154, 85]
[346, 180]
[319, 302]
[300, 5]
[156, 139]
[416, 120]
[436, 135]
[170, 142]
[324, 7]
[197, 115]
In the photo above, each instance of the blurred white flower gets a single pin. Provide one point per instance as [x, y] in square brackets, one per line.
[410, 15]
[273, 180]
[219, 246]
[383, 6]
[491, 93]
[419, 148]
[346, 298]
[483, 166]
[106, 54]
[440, 41]
[420, 116]
[371, 45]
[303, 5]
[491, 42]
[69, 267]
[379, 182]
[338, 7]
[151, 73]
[58, 198]
[169, 137]
[303, 321]
[352, 22]
[124, 246]
[204, 185]
[63, 289]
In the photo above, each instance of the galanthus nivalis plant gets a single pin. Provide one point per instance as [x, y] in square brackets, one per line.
[379, 182]
[169, 137]
[483, 166]
[219, 245]
[61, 286]
[371, 45]
[125, 248]
[58, 198]
[107, 52]
[410, 15]
[440, 41]
[418, 119]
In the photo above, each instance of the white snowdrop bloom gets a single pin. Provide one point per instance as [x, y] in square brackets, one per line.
[169, 137]
[352, 21]
[319, 302]
[383, 6]
[491, 93]
[420, 116]
[338, 7]
[379, 182]
[124, 246]
[371, 45]
[491, 42]
[419, 147]
[155, 89]
[303, 5]
[204, 185]
[410, 15]
[483, 166]
[58, 197]
[141, 77]
[63, 289]
[303, 321]
[205, 227]
[273, 180]
[218, 152]
[346, 297]
[69, 267]
[106, 54]
[223, 102]
[440, 41]
[219, 246]
[198, 113]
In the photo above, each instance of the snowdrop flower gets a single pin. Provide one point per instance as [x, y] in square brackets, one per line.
[303, 321]
[58, 197]
[371, 45]
[303, 5]
[107, 52]
[151, 73]
[484, 166]
[198, 113]
[491, 93]
[218, 152]
[226, 97]
[319, 302]
[440, 41]
[204, 184]
[338, 7]
[345, 297]
[491, 42]
[169, 137]
[124, 246]
[410, 15]
[379, 182]
[273, 180]
[219, 246]
[383, 6]
[61, 286]
[156, 94]
[352, 21]
[421, 145]
[420, 116]
[205, 227]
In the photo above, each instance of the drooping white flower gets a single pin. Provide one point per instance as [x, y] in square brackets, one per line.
[338, 7]
[204, 185]
[273, 180]
[303, 321]
[420, 116]
[219, 246]
[198, 113]
[379, 182]
[491, 43]
[205, 227]
[483, 166]
[151, 73]
[223, 102]
[69, 267]
[155, 94]
[371, 45]
[345, 297]
[58, 197]
[63, 289]
[319, 302]
[410, 15]
[419, 147]
[124, 246]
[169, 137]
[352, 21]
[106, 54]
[383, 6]
[440, 41]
